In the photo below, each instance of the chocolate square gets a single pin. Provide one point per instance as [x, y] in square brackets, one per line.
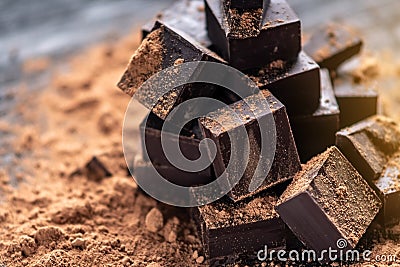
[187, 16]
[357, 101]
[189, 141]
[296, 85]
[164, 47]
[228, 229]
[316, 132]
[333, 44]
[286, 161]
[250, 38]
[247, 4]
[369, 144]
[329, 201]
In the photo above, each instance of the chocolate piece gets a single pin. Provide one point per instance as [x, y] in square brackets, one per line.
[369, 144]
[248, 4]
[99, 167]
[189, 145]
[333, 44]
[329, 201]
[296, 85]
[250, 39]
[187, 16]
[164, 47]
[228, 229]
[286, 162]
[316, 132]
[355, 90]
[372, 147]
[388, 188]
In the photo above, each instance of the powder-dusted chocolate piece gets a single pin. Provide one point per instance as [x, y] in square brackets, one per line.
[333, 44]
[247, 4]
[251, 38]
[189, 141]
[165, 47]
[187, 16]
[296, 85]
[388, 188]
[372, 146]
[229, 229]
[356, 101]
[329, 201]
[316, 132]
[369, 144]
[286, 162]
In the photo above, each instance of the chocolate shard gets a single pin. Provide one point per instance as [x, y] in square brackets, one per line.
[99, 167]
[356, 101]
[272, 35]
[187, 16]
[316, 132]
[296, 85]
[247, 4]
[369, 144]
[329, 204]
[228, 229]
[286, 161]
[165, 47]
[372, 146]
[333, 44]
[189, 141]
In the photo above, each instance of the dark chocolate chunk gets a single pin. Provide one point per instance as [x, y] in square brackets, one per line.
[388, 188]
[296, 85]
[189, 141]
[164, 47]
[286, 162]
[369, 144]
[372, 147]
[333, 44]
[99, 167]
[316, 132]
[356, 101]
[247, 4]
[329, 201]
[187, 16]
[229, 229]
[250, 38]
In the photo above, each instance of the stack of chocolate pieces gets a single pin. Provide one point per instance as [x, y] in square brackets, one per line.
[337, 194]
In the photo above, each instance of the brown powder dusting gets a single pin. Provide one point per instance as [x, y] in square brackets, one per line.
[244, 24]
[145, 62]
[224, 213]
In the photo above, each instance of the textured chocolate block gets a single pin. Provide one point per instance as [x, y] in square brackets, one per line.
[388, 188]
[369, 144]
[372, 146]
[187, 16]
[286, 162]
[228, 229]
[316, 132]
[164, 47]
[189, 141]
[296, 85]
[357, 101]
[333, 44]
[250, 38]
[329, 201]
